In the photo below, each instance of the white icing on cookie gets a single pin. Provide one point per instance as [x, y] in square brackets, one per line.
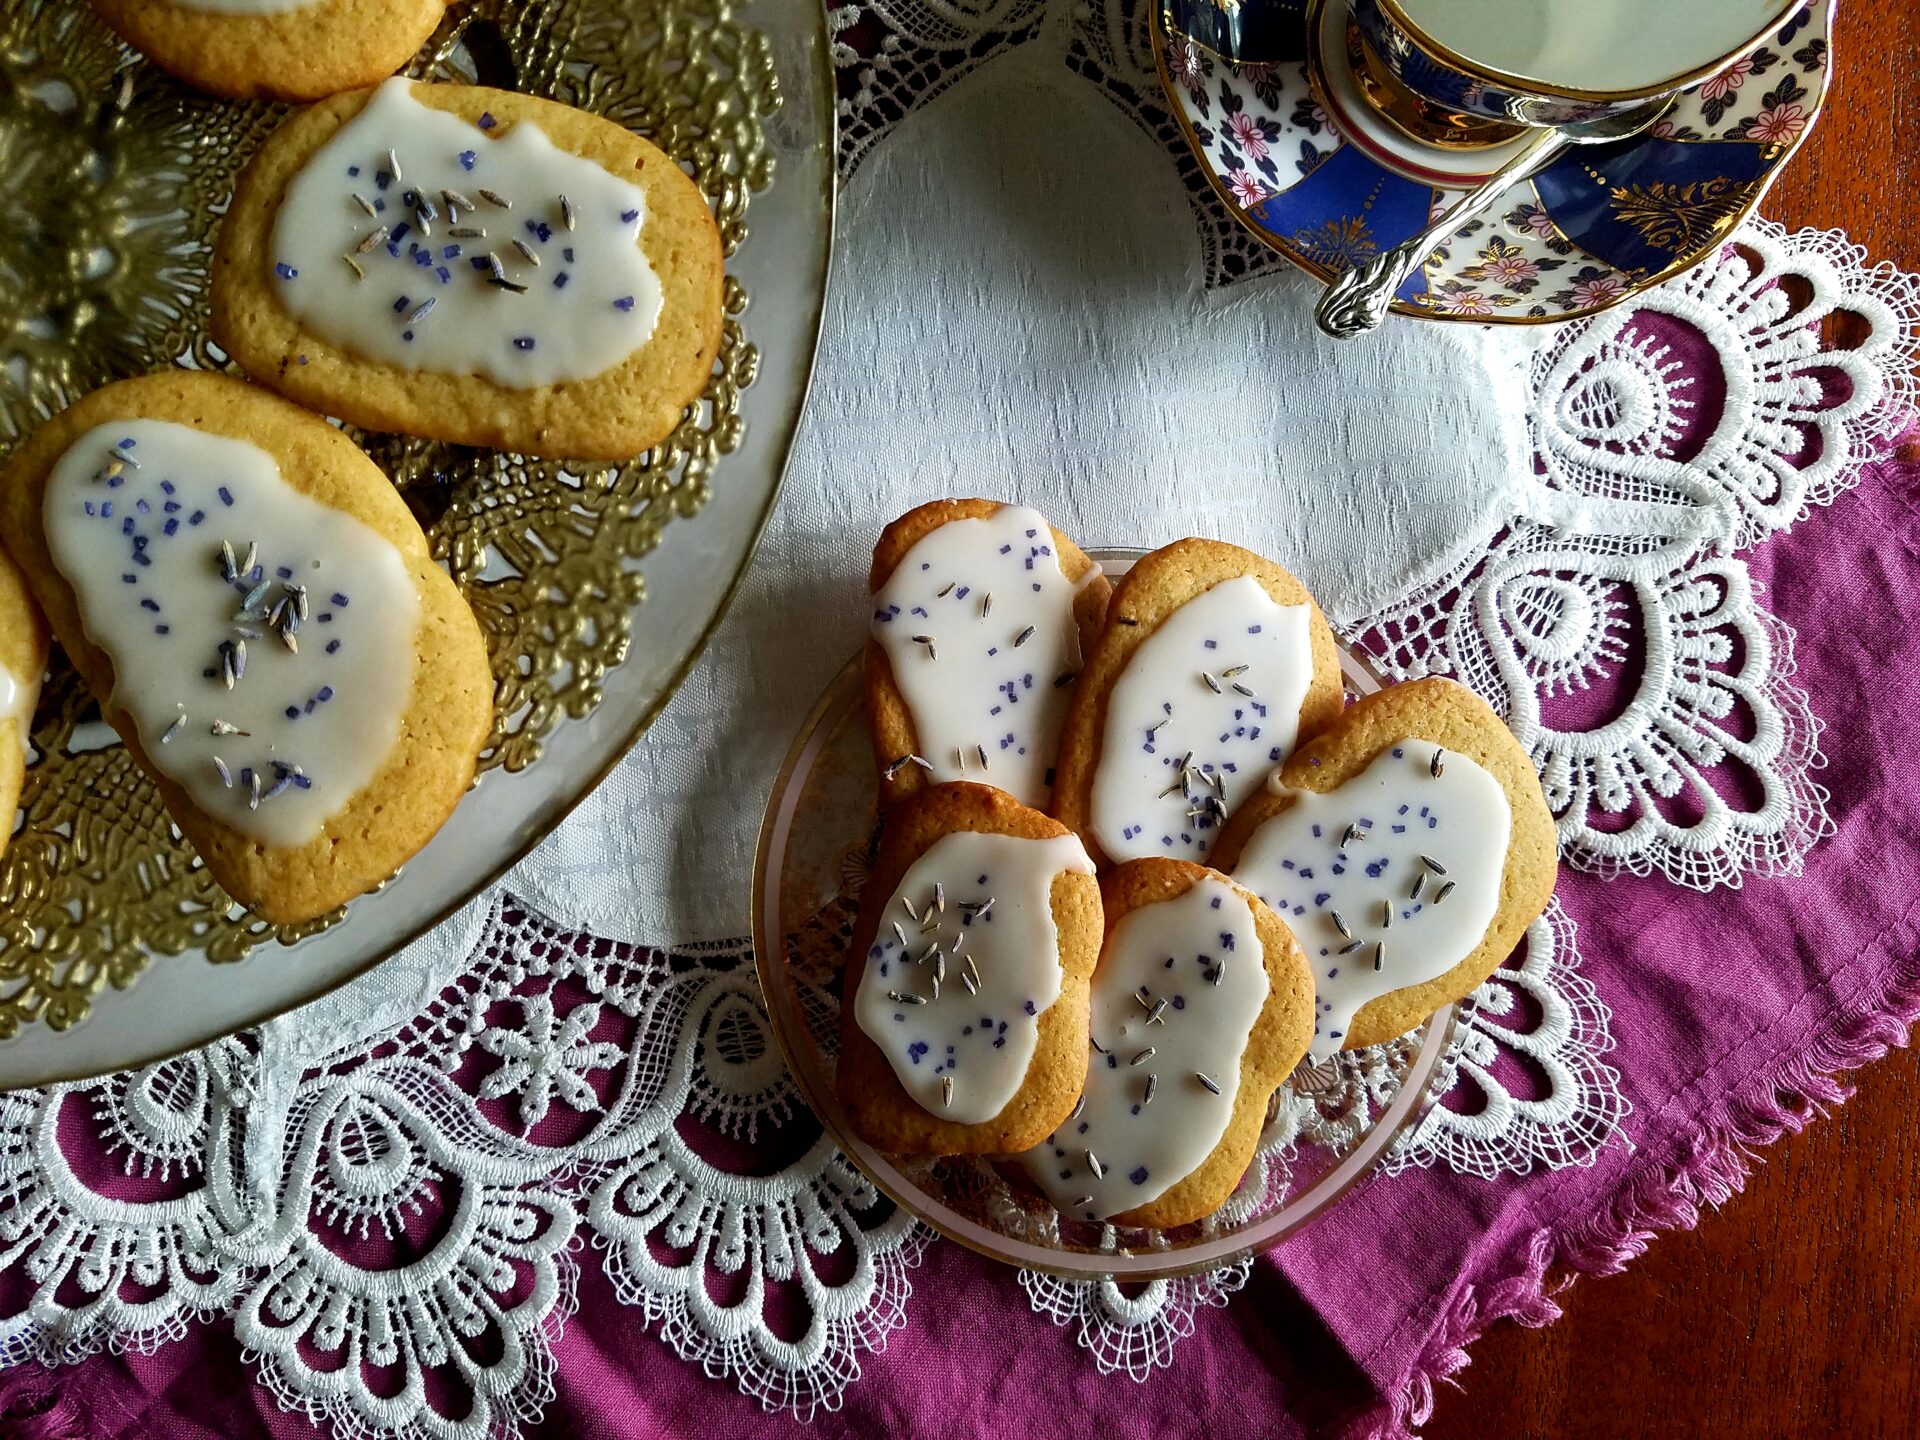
[1179, 987]
[1406, 856]
[443, 275]
[978, 956]
[19, 695]
[136, 512]
[242, 7]
[1217, 687]
[977, 622]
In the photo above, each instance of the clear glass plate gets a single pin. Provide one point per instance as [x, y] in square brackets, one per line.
[143, 1002]
[816, 842]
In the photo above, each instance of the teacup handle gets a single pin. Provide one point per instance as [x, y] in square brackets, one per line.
[1358, 301]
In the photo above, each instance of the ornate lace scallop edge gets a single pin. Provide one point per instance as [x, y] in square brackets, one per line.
[1784, 1100]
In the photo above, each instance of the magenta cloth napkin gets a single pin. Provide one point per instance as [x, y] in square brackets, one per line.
[1732, 1011]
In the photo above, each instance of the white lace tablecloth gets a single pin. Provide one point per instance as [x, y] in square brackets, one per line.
[1033, 301]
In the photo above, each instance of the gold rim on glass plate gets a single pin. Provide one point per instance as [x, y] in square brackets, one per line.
[840, 707]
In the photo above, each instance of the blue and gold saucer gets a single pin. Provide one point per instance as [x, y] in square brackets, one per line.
[1305, 159]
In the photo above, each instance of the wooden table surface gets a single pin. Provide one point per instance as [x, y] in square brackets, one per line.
[1795, 1310]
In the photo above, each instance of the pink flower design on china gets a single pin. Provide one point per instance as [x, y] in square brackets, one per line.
[1661, 130]
[1535, 221]
[1247, 188]
[1509, 268]
[1727, 81]
[1465, 302]
[1779, 124]
[1185, 64]
[1603, 291]
[1247, 133]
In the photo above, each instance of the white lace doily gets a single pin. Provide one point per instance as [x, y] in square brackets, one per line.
[1022, 259]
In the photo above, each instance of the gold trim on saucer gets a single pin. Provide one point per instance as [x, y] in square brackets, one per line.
[1777, 154]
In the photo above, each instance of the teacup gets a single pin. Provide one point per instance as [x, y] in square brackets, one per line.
[1555, 62]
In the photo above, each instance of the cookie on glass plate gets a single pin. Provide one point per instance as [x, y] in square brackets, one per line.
[981, 613]
[964, 1002]
[1214, 663]
[264, 625]
[1202, 1005]
[1409, 847]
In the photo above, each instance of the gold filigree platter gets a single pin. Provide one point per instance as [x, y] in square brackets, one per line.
[596, 586]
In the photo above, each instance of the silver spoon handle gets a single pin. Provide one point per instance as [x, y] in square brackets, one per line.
[1358, 301]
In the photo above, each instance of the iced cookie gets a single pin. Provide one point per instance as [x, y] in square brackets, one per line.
[1408, 847]
[23, 660]
[963, 1013]
[293, 50]
[1213, 663]
[262, 620]
[474, 266]
[981, 612]
[1202, 1006]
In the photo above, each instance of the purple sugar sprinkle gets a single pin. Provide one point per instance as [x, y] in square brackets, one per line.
[325, 694]
[163, 629]
[560, 281]
[479, 262]
[170, 527]
[353, 170]
[299, 359]
[625, 302]
[166, 486]
[285, 271]
[467, 157]
[382, 179]
[293, 712]
[333, 647]
[629, 216]
[226, 497]
[406, 335]
[401, 304]
[487, 122]
[400, 233]
[196, 517]
[567, 254]
[1139, 1175]
[337, 599]
[523, 342]
[445, 274]
[450, 252]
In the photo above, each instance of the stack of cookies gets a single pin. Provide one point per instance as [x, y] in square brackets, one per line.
[1138, 859]
[241, 587]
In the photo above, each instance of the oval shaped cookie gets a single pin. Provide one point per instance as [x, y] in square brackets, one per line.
[1201, 1007]
[982, 612]
[1213, 663]
[294, 50]
[23, 660]
[1409, 847]
[474, 266]
[265, 627]
[963, 1012]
